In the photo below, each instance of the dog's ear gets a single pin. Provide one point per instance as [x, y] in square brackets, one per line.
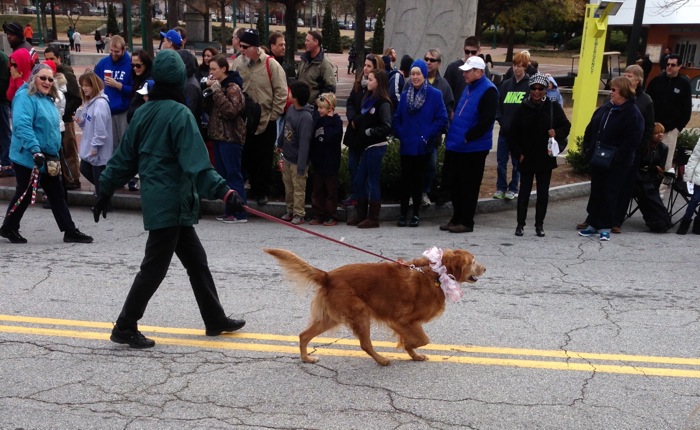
[458, 263]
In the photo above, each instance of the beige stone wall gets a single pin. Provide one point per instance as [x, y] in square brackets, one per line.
[414, 26]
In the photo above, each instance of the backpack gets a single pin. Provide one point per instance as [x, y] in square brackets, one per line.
[251, 114]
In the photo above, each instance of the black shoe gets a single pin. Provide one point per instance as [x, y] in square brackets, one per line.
[539, 230]
[402, 221]
[262, 201]
[12, 234]
[133, 338]
[519, 230]
[76, 236]
[461, 228]
[414, 221]
[230, 325]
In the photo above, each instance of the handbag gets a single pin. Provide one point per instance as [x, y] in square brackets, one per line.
[52, 164]
[602, 156]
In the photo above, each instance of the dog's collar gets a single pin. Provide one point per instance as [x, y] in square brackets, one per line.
[447, 282]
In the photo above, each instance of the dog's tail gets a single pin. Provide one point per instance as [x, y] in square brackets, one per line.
[298, 270]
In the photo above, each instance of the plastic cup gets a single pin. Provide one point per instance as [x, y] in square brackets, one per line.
[108, 73]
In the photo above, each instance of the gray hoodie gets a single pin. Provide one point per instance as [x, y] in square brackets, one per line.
[95, 119]
[296, 135]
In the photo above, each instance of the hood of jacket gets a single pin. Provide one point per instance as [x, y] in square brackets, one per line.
[23, 60]
[101, 95]
[232, 76]
[554, 83]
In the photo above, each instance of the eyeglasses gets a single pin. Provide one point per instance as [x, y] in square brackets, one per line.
[537, 88]
[431, 60]
[244, 47]
[671, 65]
[45, 78]
[136, 65]
[470, 52]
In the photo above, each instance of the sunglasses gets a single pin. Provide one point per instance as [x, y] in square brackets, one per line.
[470, 52]
[244, 47]
[537, 88]
[45, 78]
[431, 60]
[12, 64]
[136, 66]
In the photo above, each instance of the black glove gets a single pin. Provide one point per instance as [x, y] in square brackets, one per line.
[234, 203]
[100, 207]
[39, 160]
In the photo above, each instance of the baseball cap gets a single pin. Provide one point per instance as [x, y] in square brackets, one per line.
[145, 87]
[473, 63]
[173, 36]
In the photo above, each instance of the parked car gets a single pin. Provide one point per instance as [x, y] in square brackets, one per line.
[29, 10]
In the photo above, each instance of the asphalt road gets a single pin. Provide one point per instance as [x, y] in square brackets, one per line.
[561, 332]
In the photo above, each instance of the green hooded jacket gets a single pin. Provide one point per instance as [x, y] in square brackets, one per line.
[164, 146]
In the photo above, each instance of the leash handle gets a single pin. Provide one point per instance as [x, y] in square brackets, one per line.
[33, 185]
[288, 224]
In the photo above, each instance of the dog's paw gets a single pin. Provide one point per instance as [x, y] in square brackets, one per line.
[309, 359]
[419, 357]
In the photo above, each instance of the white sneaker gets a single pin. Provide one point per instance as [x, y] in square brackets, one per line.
[499, 195]
[509, 195]
[425, 201]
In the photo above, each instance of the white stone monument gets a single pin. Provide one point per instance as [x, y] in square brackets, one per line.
[414, 26]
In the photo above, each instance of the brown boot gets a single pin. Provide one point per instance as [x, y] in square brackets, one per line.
[372, 220]
[361, 212]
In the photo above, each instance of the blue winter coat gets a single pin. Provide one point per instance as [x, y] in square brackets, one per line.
[416, 130]
[35, 127]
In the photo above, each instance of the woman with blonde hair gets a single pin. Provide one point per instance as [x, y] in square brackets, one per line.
[94, 118]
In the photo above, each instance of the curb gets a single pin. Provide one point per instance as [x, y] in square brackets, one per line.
[389, 211]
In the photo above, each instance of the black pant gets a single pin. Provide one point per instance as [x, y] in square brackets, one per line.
[544, 177]
[412, 181]
[92, 174]
[257, 160]
[606, 188]
[160, 247]
[465, 170]
[53, 188]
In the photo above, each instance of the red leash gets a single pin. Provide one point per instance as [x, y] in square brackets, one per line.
[288, 224]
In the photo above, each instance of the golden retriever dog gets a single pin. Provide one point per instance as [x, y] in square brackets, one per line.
[401, 296]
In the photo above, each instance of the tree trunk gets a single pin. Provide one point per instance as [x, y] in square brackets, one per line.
[360, 7]
[172, 13]
[290, 26]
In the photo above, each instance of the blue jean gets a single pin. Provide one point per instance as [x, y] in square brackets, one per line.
[692, 203]
[5, 135]
[369, 173]
[502, 154]
[227, 160]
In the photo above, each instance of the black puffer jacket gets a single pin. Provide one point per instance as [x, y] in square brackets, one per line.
[529, 133]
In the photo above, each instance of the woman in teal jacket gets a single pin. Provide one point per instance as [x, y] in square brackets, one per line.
[35, 136]
[419, 121]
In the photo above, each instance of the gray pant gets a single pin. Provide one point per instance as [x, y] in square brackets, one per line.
[119, 125]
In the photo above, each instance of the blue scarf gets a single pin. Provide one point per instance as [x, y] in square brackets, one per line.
[416, 97]
[368, 103]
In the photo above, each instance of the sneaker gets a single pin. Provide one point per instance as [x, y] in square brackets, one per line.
[297, 220]
[604, 235]
[246, 186]
[510, 195]
[414, 221]
[402, 222]
[350, 201]
[330, 222]
[76, 236]
[12, 235]
[133, 338]
[588, 231]
[229, 325]
[425, 201]
[134, 185]
[262, 201]
[221, 217]
[315, 221]
[233, 220]
[499, 195]
[287, 217]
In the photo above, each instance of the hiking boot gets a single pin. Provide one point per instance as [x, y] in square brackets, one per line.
[76, 236]
[229, 325]
[499, 194]
[13, 235]
[133, 338]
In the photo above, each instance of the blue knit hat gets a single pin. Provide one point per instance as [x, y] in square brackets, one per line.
[422, 65]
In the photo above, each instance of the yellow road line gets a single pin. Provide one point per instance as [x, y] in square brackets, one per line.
[566, 360]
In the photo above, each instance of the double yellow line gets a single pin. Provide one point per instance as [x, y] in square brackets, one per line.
[642, 365]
